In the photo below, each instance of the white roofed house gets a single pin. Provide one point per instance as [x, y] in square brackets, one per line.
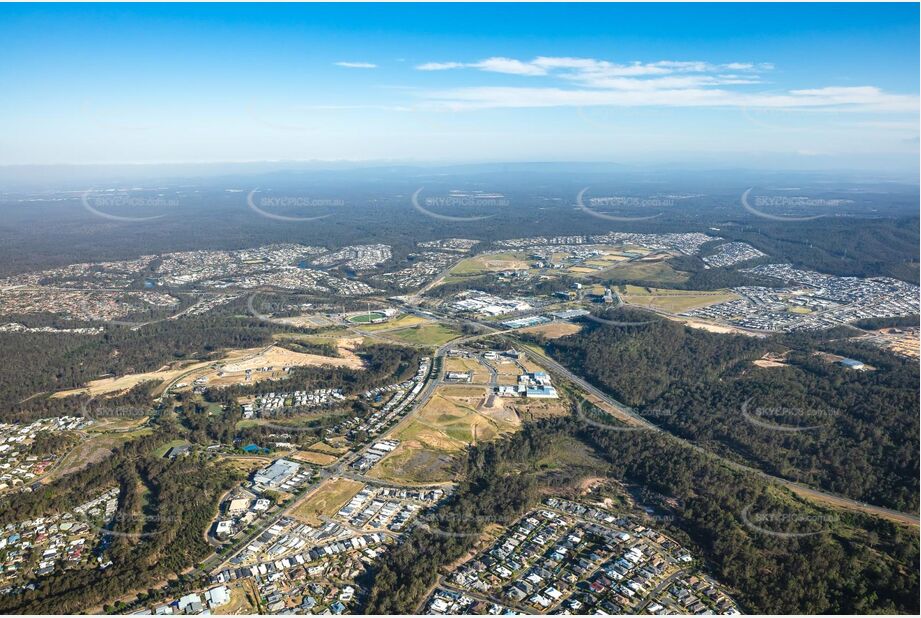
[217, 596]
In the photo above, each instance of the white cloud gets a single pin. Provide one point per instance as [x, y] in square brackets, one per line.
[495, 64]
[674, 83]
[356, 65]
[439, 66]
[588, 67]
[551, 62]
[510, 66]
[839, 99]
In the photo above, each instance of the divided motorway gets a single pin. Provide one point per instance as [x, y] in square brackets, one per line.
[800, 489]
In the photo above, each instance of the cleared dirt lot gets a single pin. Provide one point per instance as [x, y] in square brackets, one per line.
[554, 330]
[278, 356]
[326, 500]
[453, 418]
[718, 328]
[230, 369]
[479, 373]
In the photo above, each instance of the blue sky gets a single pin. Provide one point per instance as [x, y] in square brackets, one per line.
[779, 86]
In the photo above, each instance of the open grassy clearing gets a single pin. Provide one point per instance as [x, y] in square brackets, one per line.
[323, 447]
[402, 321]
[491, 262]
[674, 301]
[245, 464]
[320, 334]
[429, 334]
[713, 327]
[326, 500]
[582, 270]
[311, 457]
[116, 425]
[449, 421]
[508, 379]
[535, 409]
[278, 356]
[456, 278]
[468, 365]
[440, 432]
[768, 364]
[313, 338]
[312, 321]
[530, 365]
[655, 272]
[93, 450]
[415, 464]
[567, 453]
[453, 419]
[464, 392]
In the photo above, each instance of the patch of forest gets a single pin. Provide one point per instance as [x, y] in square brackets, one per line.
[49, 362]
[147, 544]
[903, 321]
[848, 247]
[850, 432]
